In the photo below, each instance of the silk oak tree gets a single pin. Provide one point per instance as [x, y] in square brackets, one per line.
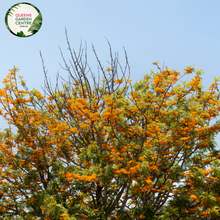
[108, 149]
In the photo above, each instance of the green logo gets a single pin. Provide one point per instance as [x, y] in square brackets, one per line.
[23, 19]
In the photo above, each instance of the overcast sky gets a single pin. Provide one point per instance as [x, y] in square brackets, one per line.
[175, 32]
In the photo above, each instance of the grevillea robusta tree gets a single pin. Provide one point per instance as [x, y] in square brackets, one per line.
[107, 149]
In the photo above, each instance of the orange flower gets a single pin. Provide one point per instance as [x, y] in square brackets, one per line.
[156, 80]
[163, 112]
[173, 102]
[108, 69]
[206, 172]
[107, 99]
[193, 197]
[188, 70]
[174, 113]
[205, 214]
[64, 215]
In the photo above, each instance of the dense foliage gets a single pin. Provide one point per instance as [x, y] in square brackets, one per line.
[111, 151]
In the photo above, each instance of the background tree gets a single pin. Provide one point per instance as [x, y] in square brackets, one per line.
[103, 152]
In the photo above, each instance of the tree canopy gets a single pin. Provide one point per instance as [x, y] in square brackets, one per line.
[110, 150]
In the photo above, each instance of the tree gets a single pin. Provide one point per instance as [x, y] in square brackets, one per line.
[105, 152]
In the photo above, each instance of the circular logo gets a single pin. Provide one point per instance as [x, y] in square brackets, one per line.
[23, 19]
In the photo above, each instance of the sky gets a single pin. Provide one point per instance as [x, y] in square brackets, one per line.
[174, 32]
